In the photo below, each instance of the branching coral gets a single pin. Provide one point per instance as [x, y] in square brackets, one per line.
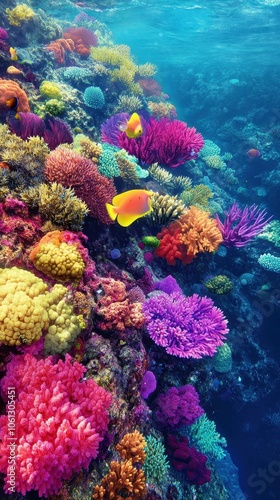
[10, 90]
[165, 209]
[197, 196]
[61, 420]
[68, 168]
[178, 406]
[188, 327]
[162, 176]
[122, 481]
[57, 204]
[184, 238]
[131, 447]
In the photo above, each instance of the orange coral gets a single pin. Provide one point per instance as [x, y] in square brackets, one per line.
[83, 39]
[194, 232]
[122, 481]
[10, 90]
[59, 46]
[131, 447]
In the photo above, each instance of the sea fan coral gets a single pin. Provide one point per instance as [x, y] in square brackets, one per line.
[61, 420]
[188, 327]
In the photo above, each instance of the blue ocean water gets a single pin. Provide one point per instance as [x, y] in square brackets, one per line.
[218, 71]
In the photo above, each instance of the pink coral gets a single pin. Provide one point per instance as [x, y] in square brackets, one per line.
[72, 170]
[178, 406]
[61, 420]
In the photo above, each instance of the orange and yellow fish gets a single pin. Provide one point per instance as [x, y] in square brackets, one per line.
[129, 206]
[133, 127]
[12, 103]
[13, 54]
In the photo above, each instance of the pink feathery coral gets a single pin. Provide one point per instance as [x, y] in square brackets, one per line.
[61, 420]
[72, 170]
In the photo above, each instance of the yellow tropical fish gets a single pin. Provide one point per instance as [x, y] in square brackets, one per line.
[130, 206]
[12, 70]
[13, 53]
[133, 127]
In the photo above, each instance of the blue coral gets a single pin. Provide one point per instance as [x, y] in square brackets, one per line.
[94, 97]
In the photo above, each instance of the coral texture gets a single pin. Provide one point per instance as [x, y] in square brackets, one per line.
[131, 447]
[188, 327]
[60, 422]
[194, 232]
[178, 406]
[122, 481]
[9, 90]
[73, 171]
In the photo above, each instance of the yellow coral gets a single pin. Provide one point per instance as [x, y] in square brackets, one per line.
[23, 314]
[131, 447]
[147, 70]
[64, 326]
[19, 14]
[57, 259]
[214, 161]
[50, 90]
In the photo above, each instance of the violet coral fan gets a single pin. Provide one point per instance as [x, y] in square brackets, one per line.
[242, 225]
[165, 141]
[61, 420]
[178, 406]
[188, 327]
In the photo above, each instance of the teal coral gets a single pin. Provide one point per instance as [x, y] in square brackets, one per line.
[269, 262]
[94, 97]
[204, 437]
[156, 463]
[272, 233]
[222, 360]
[107, 164]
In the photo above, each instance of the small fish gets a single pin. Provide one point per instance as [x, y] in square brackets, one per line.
[133, 126]
[12, 103]
[13, 54]
[253, 153]
[129, 206]
[12, 70]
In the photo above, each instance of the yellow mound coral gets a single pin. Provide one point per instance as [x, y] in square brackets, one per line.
[23, 314]
[19, 14]
[57, 258]
[28, 308]
[50, 90]
[64, 326]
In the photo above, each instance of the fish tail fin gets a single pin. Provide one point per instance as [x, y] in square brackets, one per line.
[111, 211]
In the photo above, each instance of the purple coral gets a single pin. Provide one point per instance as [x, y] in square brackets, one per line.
[188, 327]
[242, 225]
[53, 130]
[168, 142]
[178, 406]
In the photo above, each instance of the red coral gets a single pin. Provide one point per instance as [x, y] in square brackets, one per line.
[83, 39]
[188, 460]
[72, 170]
[150, 87]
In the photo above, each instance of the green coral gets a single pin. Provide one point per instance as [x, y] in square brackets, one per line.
[197, 196]
[222, 360]
[50, 90]
[220, 284]
[214, 161]
[204, 437]
[156, 463]
[57, 204]
[107, 164]
[55, 107]
[272, 232]
[151, 241]
[209, 149]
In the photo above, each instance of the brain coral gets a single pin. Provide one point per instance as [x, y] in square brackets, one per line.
[58, 258]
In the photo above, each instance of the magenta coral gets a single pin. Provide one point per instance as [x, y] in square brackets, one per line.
[178, 406]
[72, 170]
[61, 420]
[168, 142]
